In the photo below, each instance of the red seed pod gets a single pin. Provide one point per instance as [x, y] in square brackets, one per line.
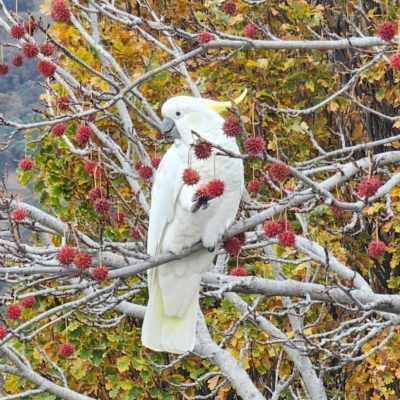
[100, 273]
[4, 68]
[28, 302]
[3, 332]
[13, 311]
[102, 206]
[369, 186]
[145, 172]
[387, 30]
[17, 60]
[254, 145]
[232, 245]
[238, 271]
[30, 50]
[190, 176]
[250, 31]
[66, 350]
[65, 255]
[17, 31]
[202, 150]
[215, 188]
[287, 238]
[376, 248]
[204, 37]
[25, 164]
[60, 12]
[19, 214]
[83, 260]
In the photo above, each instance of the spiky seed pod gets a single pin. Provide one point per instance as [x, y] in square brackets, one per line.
[66, 350]
[134, 235]
[17, 31]
[65, 255]
[25, 164]
[254, 145]
[13, 311]
[229, 7]
[204, 37]
[283, 224]
[190, 176]
[215, 188]
[138, 165]
[155, 162]
[369, 186]
[232, 246]
[47, 49]
[17, 60]
[91, 166]
[242, 237]
[278, 171]
[337, 211]
[271, 229]
[58, 129]
[250, 31]
[231, 127]
[30, 50]
[102, 206]
[4, 68]
[92, 117]
[376, 248]
[60, 12]
[100, 273]
[28, 302]
[145, 172]
[96, 193]
[387, 30]
[46, 68]
[19, 214]
[119, 217]
[3, 332]
[83, 260]
[62, 103]
[83, 135]
[238, 271]
[394, 61]
[287, 239]
[254, 186]
[31, 26]
[202, 150]
[201, 191]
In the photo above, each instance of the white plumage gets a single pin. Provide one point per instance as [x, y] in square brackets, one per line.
[170, 320]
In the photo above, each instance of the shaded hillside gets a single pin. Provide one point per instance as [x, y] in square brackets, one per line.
[19, 91]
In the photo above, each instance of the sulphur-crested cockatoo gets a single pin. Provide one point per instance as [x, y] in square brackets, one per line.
[178, 220]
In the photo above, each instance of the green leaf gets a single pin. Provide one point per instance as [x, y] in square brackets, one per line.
[123, 363]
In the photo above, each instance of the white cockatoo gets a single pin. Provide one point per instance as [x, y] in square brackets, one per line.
[179, 219]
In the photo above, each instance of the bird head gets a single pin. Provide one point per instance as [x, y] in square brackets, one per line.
[184, 114]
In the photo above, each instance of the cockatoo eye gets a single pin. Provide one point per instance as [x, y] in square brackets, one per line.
[178, 113]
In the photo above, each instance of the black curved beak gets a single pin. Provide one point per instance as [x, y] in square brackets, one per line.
[168, 129]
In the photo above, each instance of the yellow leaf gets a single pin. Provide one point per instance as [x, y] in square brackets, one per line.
[304, 125]
[213, 382]
[395, 191]
[263, 62]
[46, 6]
[333, 106]
[307, 331]
[396, 124]
[252, 63]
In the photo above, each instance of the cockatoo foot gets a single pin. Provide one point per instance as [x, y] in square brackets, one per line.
[203, 202]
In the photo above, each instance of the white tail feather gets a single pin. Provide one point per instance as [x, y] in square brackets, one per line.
[164, 333]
